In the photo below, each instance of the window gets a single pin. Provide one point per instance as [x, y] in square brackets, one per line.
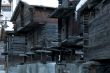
[6, 8]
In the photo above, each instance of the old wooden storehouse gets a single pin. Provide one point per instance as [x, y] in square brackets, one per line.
[40, 32]
[70, 39]
[94, 18]
[94, 21]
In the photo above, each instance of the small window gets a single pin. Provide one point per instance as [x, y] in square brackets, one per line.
[6, 8]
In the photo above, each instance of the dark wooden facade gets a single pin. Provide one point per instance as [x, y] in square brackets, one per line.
[2, 45]
[70, 40]
[26, 17]
[96, 13]
[40, 32]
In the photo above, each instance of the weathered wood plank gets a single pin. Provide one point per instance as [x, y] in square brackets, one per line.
[99, 35]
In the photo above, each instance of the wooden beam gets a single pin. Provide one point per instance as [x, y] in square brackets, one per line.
[0, 5]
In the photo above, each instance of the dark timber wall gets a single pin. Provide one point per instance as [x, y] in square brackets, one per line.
[99, 32]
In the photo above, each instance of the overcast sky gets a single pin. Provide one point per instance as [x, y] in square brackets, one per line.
[52, 3]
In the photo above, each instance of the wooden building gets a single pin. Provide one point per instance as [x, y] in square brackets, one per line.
[2, 45]
[70, 39]
[40, 32]
[94, 18]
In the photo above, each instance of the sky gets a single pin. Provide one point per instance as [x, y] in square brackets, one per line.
[50, 3]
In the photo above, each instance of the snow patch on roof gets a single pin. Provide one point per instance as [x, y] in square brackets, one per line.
[80, 4]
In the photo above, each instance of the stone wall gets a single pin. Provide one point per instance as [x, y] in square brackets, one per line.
[33, 68]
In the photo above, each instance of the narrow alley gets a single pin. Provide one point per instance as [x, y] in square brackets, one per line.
[54, 36]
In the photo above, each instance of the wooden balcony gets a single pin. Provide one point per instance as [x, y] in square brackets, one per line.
[16, 45]
[72, 42]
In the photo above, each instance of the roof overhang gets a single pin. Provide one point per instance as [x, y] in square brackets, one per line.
[72, 42]
[62, 12]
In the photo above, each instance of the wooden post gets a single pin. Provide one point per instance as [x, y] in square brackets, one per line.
[6, 63]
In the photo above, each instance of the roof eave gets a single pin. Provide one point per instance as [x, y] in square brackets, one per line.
[58, 13]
